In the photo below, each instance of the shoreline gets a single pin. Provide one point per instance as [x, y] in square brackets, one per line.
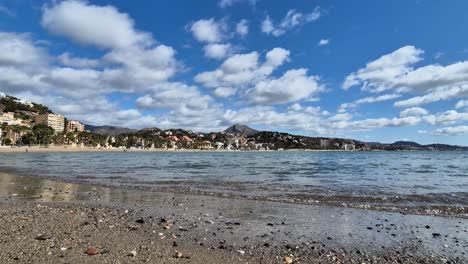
[206, 230]
[53, 149]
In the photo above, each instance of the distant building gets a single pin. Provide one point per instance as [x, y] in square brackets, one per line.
[57, 122]
[349, 147]
[74, 126]
[7, 117]
[202, 145]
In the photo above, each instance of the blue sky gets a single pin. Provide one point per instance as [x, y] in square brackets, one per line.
[369, 70]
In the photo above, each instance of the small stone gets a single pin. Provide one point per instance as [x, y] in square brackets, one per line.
[43, 237]
[132, 253]
[291, 247]
[140, 221]
[92, 251]
[174, 244]
[370, 228]
[435, 235]
[178, 255]
[270, 224]
[242, 252]
[288, 260]
[63, 248]
[428, 227]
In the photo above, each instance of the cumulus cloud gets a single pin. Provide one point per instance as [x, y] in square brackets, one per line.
[68, 60]
[449, 131]
[243, 69]
[293, 19]
[414, 111]
[102, 26]
[22, 64]
[18, 50]
[438, 94]
[461, 104]
[208, 30]
[217, 51]
[396, 71]
[380, 74]
[293, 86]
[224, 92]
[175, 96]
[242, 28]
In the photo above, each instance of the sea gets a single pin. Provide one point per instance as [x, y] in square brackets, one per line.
[439, 177]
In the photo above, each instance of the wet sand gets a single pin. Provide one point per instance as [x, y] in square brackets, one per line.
[47, 221]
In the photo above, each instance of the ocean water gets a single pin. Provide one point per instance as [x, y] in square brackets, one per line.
[441, 176]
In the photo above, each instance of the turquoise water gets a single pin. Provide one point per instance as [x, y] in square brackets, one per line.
[254, 173]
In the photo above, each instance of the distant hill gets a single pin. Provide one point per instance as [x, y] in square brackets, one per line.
[13, 104]
[406, 143]
[108, 130]
[241, 129]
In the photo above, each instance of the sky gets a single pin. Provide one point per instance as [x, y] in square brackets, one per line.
[368, 70]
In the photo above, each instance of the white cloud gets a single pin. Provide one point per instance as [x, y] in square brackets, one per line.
[242, 28]
[324, 42]
[379, 75]
[18, 50]
[293, 86]
[414, 111]
[224, 92]
[228, 3]
[102, 26]
[293, 19]
[396, 71]
[67, 60]
[435, 95]
[448, 131]
[217, 51]
[174, 96]
[461, 104]
[371, 99]
[22, 64]
[243, 69]
[208, 30]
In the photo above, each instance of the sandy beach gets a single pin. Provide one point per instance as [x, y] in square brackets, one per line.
[47, 221]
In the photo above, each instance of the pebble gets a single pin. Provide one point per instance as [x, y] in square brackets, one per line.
[288, 259]
[132, 253]
[92, 251]
[177, 254]
[43, 237]
[140, 221]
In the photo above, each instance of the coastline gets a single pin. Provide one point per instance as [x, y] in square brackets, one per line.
[205, 230]
[52, 149]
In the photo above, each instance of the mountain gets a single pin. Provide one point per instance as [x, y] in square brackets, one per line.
[406, 143]
[108, 130]
[241, 129]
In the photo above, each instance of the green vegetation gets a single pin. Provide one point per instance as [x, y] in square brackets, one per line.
[12, 104]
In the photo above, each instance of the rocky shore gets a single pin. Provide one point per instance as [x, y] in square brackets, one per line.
[52, 222]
